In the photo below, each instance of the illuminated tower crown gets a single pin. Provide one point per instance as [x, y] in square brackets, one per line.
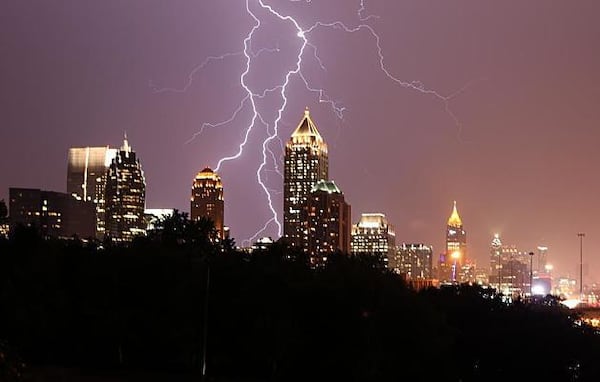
[305, 164]
[125, 196]
[456, 245]
[307, 134]
[207, 199]
[454, 220]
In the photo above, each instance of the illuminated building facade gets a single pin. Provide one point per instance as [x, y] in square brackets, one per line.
[207, 199]
[566, 287]
[262, 244]
[509, 268]
[87, 169]
[453, 264]
[542, 259]
[328, 222]
[373, 235]
[415, 261]
[154, 215]
[125, 196]
[53, 214]
[4, 226]
[305, 163]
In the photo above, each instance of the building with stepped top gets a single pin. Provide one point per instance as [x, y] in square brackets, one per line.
[125, 196]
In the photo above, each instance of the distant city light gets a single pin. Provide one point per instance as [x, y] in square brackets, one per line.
[571, 303]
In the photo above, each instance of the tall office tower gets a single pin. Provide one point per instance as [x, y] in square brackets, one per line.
[415, 261]
[373, 235]
[305, 163]
[455, 257]
[509, 268]
[207, 199]
[125, 196]
[329, 222]
[495, 262]
[53, 214]
[542, 259]
[86, 178]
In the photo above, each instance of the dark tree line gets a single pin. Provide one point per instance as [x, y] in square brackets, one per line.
[268, 316]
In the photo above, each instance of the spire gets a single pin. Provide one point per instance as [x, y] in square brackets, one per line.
[125, 146]
[496, 242]
[307, 128]
[454, 220]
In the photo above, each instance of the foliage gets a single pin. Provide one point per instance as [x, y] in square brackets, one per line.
[3, 212]
[268, 315]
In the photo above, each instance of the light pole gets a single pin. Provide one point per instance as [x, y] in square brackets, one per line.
[455, 257]
[205, 326]
[499, 265]
[531, 274]
[581, 236]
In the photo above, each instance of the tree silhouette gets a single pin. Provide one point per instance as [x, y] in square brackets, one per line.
[269, 315]
[3, 212]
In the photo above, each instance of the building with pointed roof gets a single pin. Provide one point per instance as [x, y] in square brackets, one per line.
[207, 199]
[455, 258]
[454, 219]
[305, 163]
[125, 196]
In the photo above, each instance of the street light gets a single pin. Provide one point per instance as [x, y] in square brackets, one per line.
[455, 256]
[581, 236]
[531, 274]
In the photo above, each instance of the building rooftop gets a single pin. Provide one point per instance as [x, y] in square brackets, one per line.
[372, 220]
[307, 132]
[454, 220]
[326, 185]
[208, 173]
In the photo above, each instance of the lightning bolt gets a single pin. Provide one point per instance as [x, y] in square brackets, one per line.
[270, 161]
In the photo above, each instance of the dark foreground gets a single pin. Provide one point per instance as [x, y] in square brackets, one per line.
[156, 310]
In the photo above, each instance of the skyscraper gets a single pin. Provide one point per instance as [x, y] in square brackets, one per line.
[373, 235]
[509, 268]
[86, 178]
[455, 257]
[207, 199]
[328, 222]
[306, 162]
[125, 196]
[542, 259]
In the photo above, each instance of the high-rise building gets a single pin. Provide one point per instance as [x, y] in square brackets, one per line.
[329, 221]
[373, 235]
[53, 214]
[306, 162]
[207, 199]
[542, 259]
[125, 196]
[509, 268]
[455, 257]
[415, 261]
[86, 178]
[496, 250]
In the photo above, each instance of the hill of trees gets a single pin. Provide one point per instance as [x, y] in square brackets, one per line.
[175, 301]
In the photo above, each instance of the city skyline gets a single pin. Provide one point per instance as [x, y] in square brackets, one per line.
[520, 162]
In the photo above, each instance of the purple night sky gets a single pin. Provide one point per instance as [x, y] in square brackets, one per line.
[522, 161]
